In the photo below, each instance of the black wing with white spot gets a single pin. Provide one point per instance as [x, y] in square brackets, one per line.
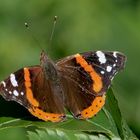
[13, 88]
[105, 65]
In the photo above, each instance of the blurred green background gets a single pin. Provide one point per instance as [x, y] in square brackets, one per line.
[81, 26]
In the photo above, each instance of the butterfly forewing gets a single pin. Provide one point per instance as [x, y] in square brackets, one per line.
[92, 71]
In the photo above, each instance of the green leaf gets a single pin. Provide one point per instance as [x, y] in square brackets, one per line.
[99, 124]
[55, 134]
[112, 107]
[108, 122]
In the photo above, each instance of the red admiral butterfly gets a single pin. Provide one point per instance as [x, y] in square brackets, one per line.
[77, 83]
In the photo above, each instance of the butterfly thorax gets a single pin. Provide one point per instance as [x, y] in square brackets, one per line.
[48, 67]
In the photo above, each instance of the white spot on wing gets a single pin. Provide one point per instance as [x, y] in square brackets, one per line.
[115, 54]
[108, 68]
[101, 55]
[13, 80]
[114, 65]
[22, 93]
[102, 72]
[4, 84]
[10, 92]
[6, 89]
[15, 93]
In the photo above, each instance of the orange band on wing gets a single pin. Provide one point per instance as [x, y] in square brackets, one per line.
[29, 93]
[92, 110]
[97, 85]
[46, 116]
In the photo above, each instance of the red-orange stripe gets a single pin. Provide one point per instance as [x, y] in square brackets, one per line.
[34, 110]
[29, 93]
[92, 110]
[97, 85]
[46, 116]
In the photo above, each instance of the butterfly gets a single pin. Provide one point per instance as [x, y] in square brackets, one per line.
[77, 83]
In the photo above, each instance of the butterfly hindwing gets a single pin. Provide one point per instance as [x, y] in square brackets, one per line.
[77, 100]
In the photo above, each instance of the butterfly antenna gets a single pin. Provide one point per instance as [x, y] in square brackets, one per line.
[34, 38]
[53, 28]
